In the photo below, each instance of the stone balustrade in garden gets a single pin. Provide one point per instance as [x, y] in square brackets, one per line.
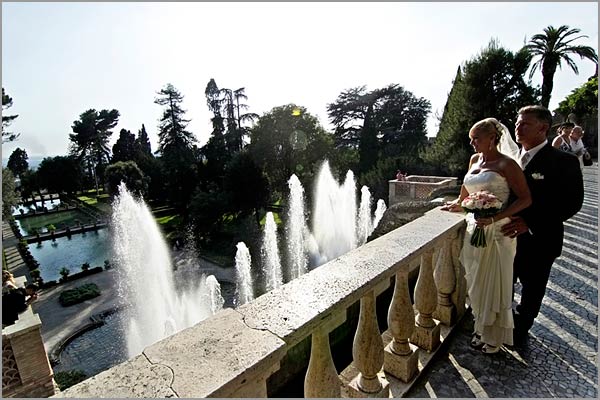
[252, 351]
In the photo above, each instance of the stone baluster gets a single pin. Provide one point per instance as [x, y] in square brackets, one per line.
[427, 333]
[321, 379]
[459, 296]
[400, 359]
[445, 280]
[367, 352]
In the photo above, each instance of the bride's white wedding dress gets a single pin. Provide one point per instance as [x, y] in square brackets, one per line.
[489, 270]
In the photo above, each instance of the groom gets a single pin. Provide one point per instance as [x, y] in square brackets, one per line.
[556, 184]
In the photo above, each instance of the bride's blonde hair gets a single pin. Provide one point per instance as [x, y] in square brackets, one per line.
[489, 125]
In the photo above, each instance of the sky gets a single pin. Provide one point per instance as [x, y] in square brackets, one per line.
[61, 59]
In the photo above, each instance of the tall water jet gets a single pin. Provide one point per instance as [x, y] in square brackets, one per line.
[334, 216]
[153, 308]
[271, 262]
[365, 221]
[379, 211]
[243, 290]
[296, 230]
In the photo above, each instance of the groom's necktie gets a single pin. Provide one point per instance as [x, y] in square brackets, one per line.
[524, 159]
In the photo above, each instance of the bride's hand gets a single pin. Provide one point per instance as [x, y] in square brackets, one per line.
[484, 221]
[452, 206]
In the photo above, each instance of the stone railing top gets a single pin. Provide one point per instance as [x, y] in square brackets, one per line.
[27, 321]
[233, 347]
[293, 310]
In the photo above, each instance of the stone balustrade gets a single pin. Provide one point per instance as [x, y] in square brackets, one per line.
[417, 187]
[236, 352]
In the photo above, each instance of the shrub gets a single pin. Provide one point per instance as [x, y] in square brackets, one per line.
[66, 379]
[50, 227]
[35, 274]
[64, 272]
[85, 266]
[79, 294]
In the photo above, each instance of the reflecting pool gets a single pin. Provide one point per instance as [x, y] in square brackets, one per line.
[91, 247]
[61, 219]
[49, 204]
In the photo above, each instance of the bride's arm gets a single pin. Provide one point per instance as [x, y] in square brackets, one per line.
[454, 205]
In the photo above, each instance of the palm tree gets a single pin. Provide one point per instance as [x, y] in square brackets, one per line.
[553, 47]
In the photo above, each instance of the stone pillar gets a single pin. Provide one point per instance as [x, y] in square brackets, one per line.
[392, 194]
[427, 333]
[459, 295]
[445, 280]
[28, 357]
[367, 352]
[401, 360]
[321, 379]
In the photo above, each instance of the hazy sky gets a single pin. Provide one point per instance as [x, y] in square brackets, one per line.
[60, 59]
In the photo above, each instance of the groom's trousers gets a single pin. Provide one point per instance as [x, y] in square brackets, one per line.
[532, 269]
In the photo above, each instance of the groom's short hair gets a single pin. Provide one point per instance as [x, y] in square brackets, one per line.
[539, 112]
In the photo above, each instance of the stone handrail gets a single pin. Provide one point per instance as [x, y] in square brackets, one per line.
[234, 352]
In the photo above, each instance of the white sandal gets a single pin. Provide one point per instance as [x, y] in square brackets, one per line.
[489, 349]
[476, 341]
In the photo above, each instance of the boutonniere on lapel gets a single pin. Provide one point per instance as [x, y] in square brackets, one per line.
[537, 176]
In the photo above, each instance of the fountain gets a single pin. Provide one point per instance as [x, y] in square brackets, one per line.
[244, 288]
[338, 227]
[296, 230]
[271, 262]
[365, 222]
[334, 217]
[155, 306]
[379, 211]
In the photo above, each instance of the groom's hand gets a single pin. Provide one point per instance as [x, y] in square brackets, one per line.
[515, 227]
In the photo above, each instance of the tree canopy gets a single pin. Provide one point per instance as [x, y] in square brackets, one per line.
[17, 162]
[7, 103]
[491, 84]
[553, 47]
[387, 120]
[288, 140]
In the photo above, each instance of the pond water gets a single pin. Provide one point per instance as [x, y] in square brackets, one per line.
[91, 247]
[101, 348]
[49, 204]
[61, 219]
[95, 350]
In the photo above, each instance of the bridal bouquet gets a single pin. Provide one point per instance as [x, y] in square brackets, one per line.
[481, 204]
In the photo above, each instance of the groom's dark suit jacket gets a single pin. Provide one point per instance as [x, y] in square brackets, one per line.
[556, 184]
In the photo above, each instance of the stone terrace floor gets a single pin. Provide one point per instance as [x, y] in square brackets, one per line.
[560, 358]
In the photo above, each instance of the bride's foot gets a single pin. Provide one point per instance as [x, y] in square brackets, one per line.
[489, 349]
[476, 341]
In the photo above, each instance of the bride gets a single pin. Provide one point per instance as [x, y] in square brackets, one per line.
[489, 269]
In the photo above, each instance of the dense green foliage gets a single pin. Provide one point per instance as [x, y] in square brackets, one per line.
[583, 101]
[9, 196]
[89, 141]
[491, 84]
[66, 379]
[176, 146]
[129, 173]
[79, 294]
[381, 123]
[289, 140]
[17, 162]
[60, 174]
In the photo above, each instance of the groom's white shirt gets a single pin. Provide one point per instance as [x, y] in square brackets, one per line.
[532, 152]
